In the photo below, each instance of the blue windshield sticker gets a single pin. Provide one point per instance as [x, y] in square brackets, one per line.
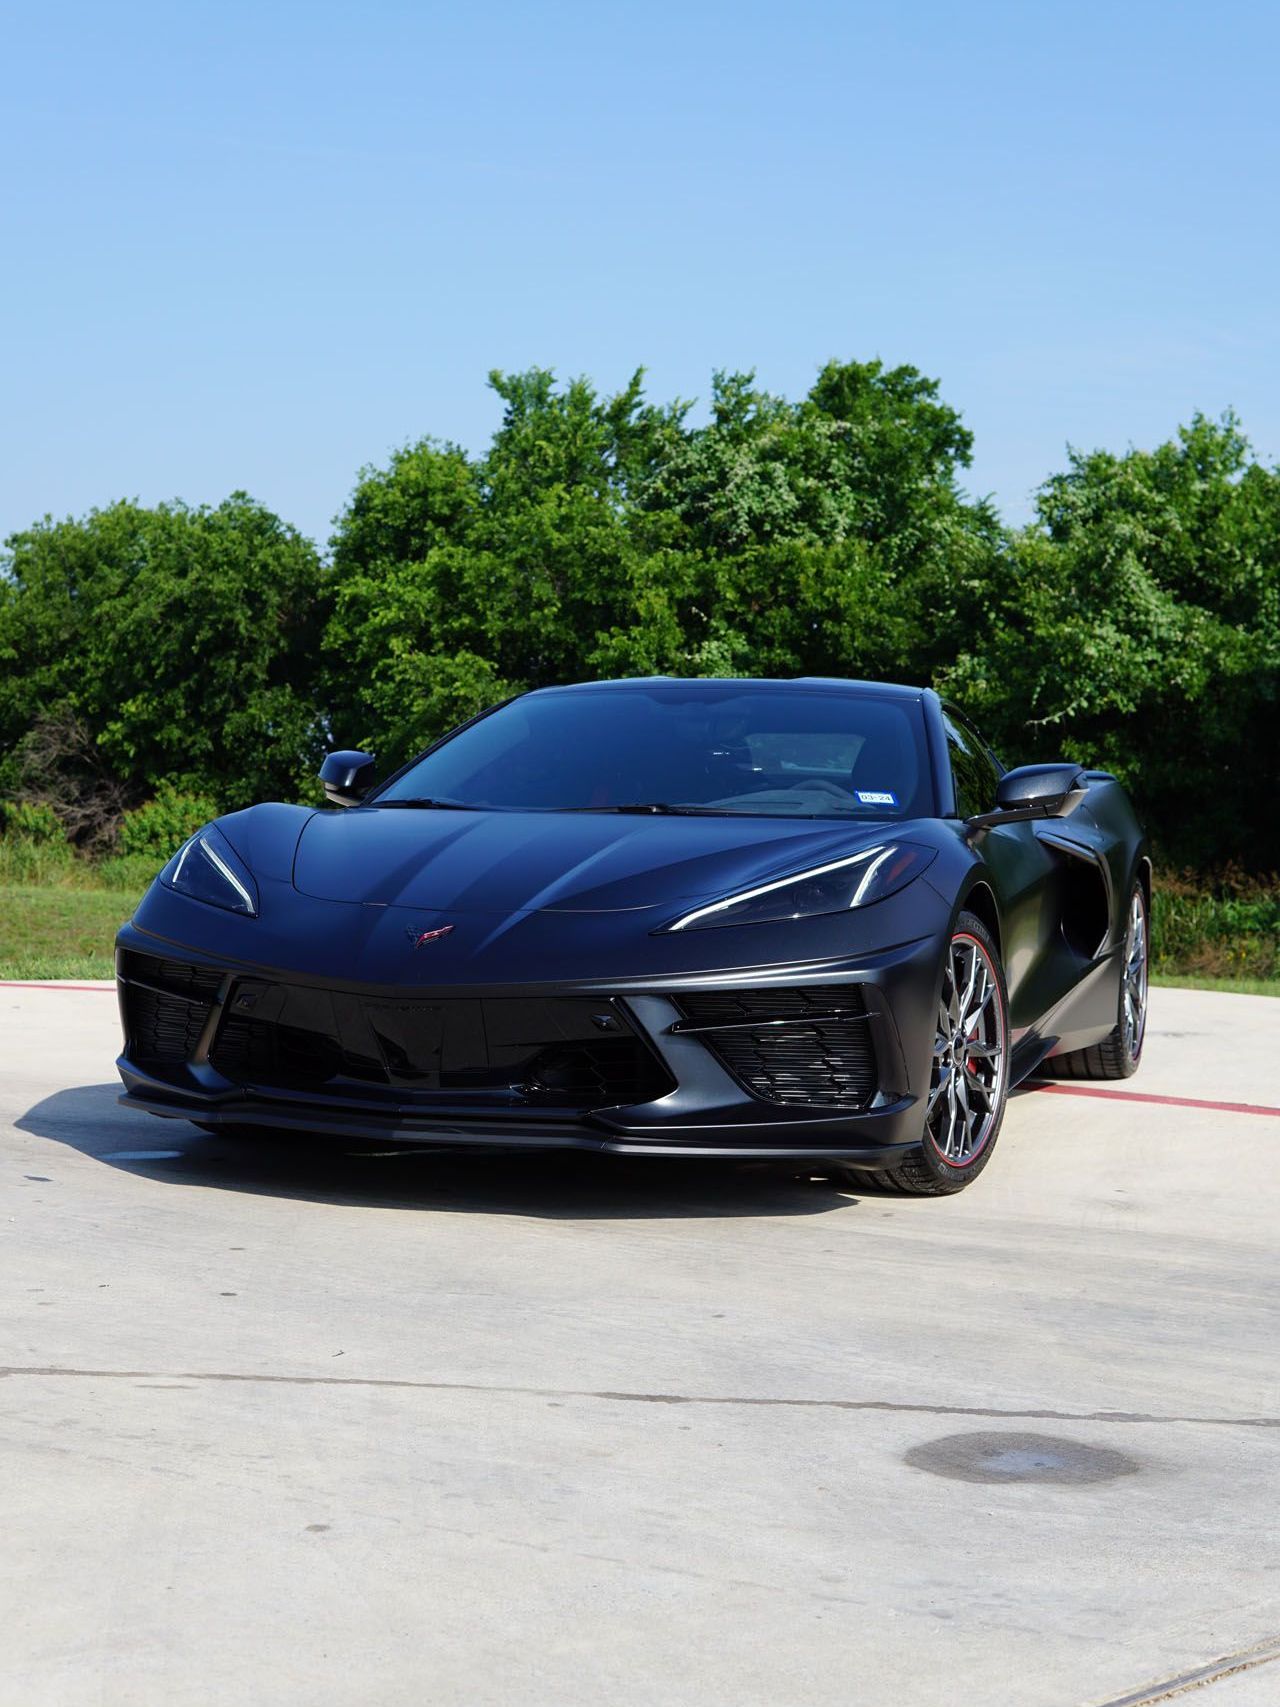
[876, 797]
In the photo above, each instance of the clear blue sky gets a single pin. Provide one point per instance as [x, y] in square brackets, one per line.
[260, 245]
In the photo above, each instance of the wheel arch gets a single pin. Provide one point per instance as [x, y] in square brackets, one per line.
[1143, 874]
[980, 900]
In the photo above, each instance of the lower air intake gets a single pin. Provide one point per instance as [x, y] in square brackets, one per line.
[166, 1004]
[809, 1047]
[559, 1052]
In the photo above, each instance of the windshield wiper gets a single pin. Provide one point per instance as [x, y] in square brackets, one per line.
[663, 807]
[438, 805]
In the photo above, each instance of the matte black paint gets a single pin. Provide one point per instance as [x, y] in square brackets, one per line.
[551, 907]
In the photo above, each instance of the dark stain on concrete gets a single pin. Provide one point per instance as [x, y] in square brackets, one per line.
[1006, 1457]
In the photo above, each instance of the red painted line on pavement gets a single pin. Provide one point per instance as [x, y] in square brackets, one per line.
[93, 989]
[1149, 1096]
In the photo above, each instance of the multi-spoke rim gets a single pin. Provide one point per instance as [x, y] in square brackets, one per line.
[967, 1080]
[1133, 1008]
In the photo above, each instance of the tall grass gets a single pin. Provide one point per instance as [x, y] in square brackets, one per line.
[1225, 926]
[27, 864]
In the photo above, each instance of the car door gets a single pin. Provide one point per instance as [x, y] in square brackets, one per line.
[1030, 876]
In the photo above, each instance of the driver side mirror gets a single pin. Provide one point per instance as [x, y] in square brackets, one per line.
[1034, 791]
[347, 777]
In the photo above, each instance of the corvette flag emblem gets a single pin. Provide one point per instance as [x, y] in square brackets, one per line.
[419, 939]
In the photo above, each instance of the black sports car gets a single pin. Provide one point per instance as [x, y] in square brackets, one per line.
[809, 919]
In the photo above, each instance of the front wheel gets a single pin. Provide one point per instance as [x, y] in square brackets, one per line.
[969, 1075]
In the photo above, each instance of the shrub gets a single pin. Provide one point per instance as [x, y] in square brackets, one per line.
[35, 864]
[164, 823]
[1227, 926]
[181, 640]
[127, 874]
[33, 847]
[32, 821]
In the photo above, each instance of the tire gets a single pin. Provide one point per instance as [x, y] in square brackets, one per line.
[1119, 1055]
[973, 1014]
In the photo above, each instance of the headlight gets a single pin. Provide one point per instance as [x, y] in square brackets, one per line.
[833, 888]
[209, 869]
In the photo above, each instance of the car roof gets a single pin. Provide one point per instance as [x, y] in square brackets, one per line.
[833, 684]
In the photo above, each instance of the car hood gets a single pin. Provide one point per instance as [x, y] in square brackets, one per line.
[508, 862]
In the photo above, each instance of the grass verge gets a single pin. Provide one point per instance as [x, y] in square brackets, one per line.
[60, 933]
[1228, 986]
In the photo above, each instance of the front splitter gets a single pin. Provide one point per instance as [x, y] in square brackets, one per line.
[530, 1134]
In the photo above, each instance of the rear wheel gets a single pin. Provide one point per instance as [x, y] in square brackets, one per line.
[1118, 1055]
[969, 1076]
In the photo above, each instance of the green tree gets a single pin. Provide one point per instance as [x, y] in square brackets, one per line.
[869, 454]
[607, 535]
[179, 643]
[441, 608]
[1135, 624]
[1139, 629]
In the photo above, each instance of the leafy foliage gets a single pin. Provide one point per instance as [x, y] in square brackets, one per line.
[182, 640]
[148, 655]
[1229, 928]
[158, 828]
[1140, 630]
[603, 535]
[31, 821]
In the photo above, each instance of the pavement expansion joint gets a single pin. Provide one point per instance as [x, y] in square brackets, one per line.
[1200, 1677]
[619, 1396]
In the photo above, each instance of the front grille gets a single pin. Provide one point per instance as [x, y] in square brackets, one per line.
[565, 1052]
[166, 1004]
[808, 1047]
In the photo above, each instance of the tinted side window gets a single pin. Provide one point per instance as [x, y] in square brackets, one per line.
[973, 769]
[974, 737]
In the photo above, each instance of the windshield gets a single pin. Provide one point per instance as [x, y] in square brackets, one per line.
[777, 751]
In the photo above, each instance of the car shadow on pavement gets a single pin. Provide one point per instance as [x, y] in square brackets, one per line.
[555, 1184]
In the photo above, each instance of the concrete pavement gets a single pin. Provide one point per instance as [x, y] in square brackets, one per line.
[292, 1426]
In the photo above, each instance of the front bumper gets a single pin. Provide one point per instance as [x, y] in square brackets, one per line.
[695, 1103]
